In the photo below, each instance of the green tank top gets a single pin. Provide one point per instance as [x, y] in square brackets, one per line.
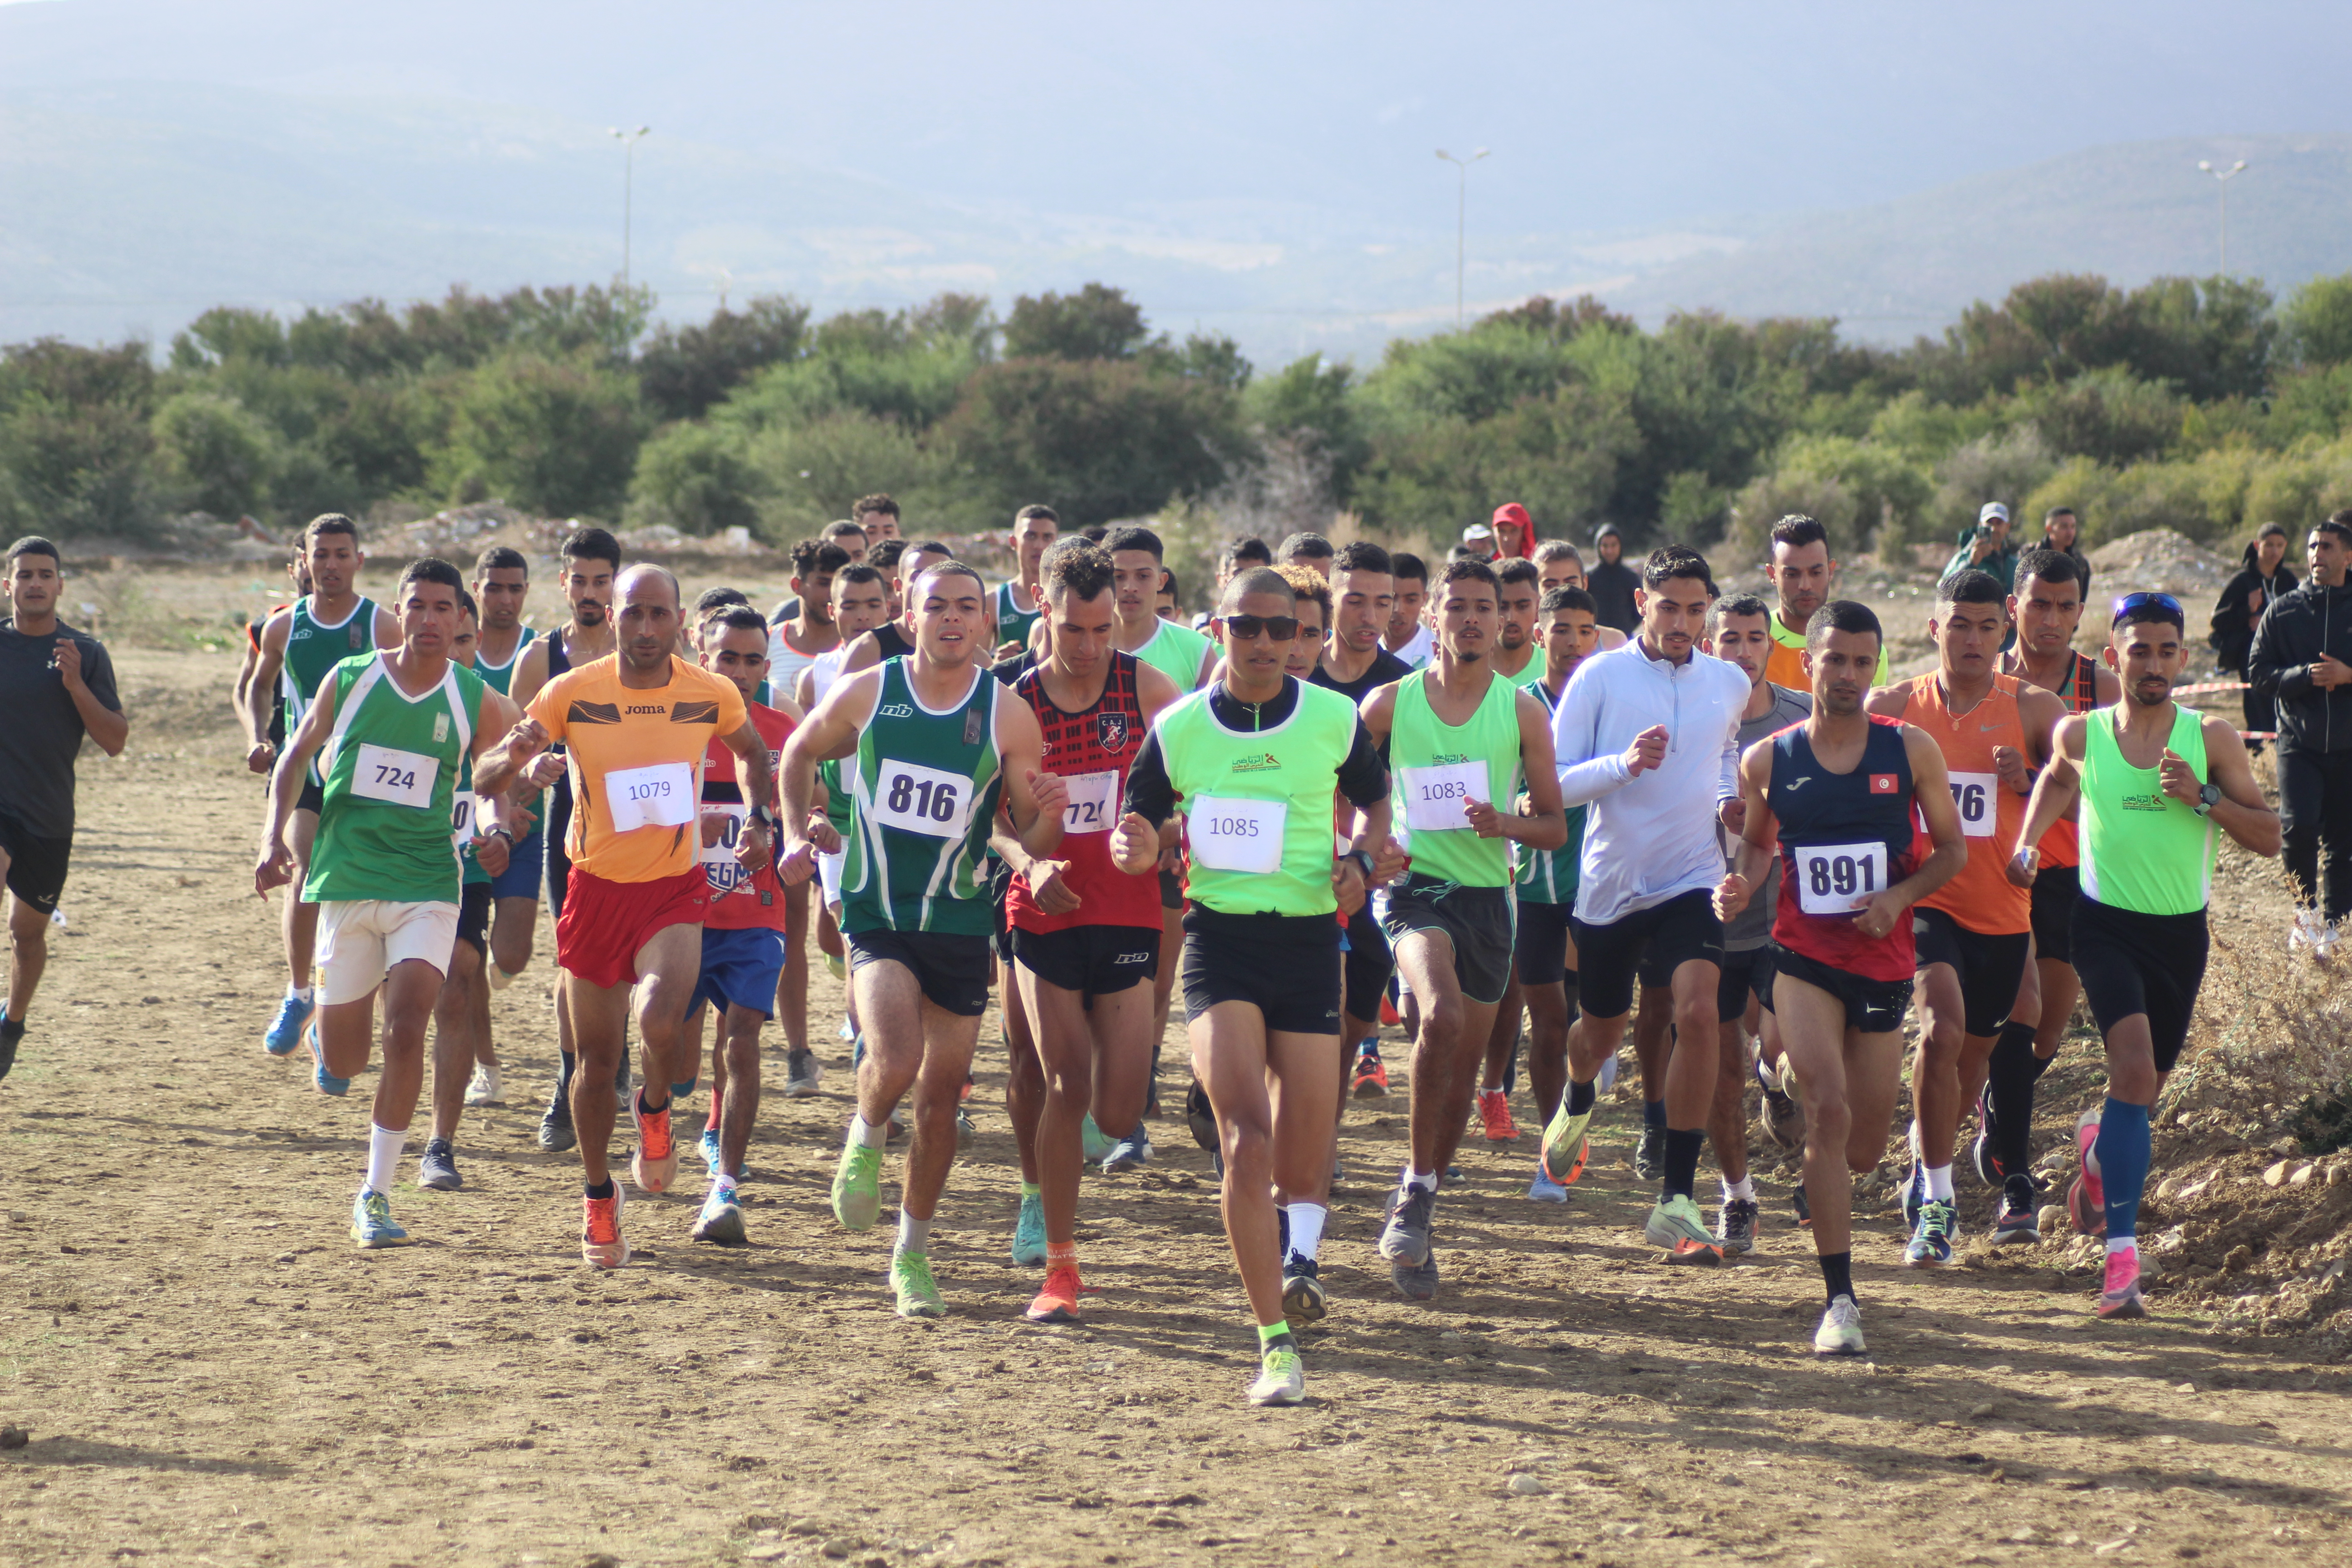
[1533, 674]
[394, 766]
[2142, 849]
[1177, 653]
[1013, 621]
[1257, 804]
[1435, 768]
[312, 648]
[499, 677]
[461, 826]
[924, 792]
[1549, 876]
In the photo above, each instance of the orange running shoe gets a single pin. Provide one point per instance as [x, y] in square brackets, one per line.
[1495, 1110]
[600, 1233]
[1389, 1014]
[1058, 1301]
[655, 1165]
[1371, 1081]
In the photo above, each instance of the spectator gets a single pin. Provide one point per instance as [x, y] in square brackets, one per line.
[1515, 532]
[2265, 577]
[1987, 547]
[2061, 529]
[2303, 658]
[1612, 583]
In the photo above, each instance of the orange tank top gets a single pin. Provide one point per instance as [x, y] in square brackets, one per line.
[2080, 692]
[1982, 897]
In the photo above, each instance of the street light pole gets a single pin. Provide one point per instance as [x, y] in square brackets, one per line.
[628, 141]
[1461, 222]
[2224, 176]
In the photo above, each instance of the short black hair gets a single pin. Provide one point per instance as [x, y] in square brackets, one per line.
[1797, 529]
[1035, 509]
[711, 600]
[737, 618]
[1362, 555]
[2053, 566]
[866, 506]
[1405, 564]
[1076, 568]
[1094, 534]
[1552, 550]
[1168, 586]
[1249, 547]
[465, 602]
[593, 544]
[1471, 570]
[34, 545]
[1256, 580]
[1741, 604]
[1971, 585]
[1133, 538]
[1568, 599]
[2339, 524]
[1516, 570]
[840, 528]
[1841, 615]
[331, 523]
[887, 553]
[950, 567]
[1668, 562]
[856, 576]
[500, 558]
[2054, 512]
[814, 555]
[932, 547]
[1313, 546]
[431, 569]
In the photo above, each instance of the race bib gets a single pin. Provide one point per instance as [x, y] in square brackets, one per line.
[661, 795]
[462, 815]
[1974, 794]
[1839, 879]
[396, 777]
[1434, 797]
[916, 799]
[1230, 835]
[720, 868]
[1094, 803]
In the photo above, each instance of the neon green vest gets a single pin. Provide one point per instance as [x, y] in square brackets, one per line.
[1176, 652]
[2142, 849]
[1258, 804]
[1435, 768]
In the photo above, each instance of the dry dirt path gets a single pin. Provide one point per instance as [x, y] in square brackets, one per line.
[211, 1375]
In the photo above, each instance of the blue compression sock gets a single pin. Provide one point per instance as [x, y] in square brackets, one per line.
[2122, 1164]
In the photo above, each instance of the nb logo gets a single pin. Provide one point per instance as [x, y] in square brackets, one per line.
[1133, 958]
[894, 710]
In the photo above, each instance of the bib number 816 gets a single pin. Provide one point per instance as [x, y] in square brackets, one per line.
[921, 797]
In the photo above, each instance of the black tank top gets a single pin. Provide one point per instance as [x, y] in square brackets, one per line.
[1844, 839]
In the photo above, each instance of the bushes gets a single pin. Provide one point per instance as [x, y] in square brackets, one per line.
[549, 436]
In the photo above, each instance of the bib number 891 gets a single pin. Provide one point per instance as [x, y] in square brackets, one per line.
[1842, 874]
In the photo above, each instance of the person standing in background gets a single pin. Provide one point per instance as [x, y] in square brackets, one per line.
[2300, 658]
[1612, 583]
[2059, 530]
[2262, 578]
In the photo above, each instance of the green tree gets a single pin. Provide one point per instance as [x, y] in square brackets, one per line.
[1096, 323]
[1308, 398]
[552, 437]
[2319, 320]
[75, 438]
[215, 453]
[1559, 455]
[685, 370]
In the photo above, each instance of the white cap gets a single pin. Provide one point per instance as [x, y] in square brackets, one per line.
[1477, 530]
[1991, 509]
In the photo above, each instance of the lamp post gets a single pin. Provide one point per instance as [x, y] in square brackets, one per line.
[1461, 219]
[2224, 176]
[628, 141]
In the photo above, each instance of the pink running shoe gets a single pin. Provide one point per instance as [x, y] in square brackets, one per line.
[2121, 1298]
[2086, 1199]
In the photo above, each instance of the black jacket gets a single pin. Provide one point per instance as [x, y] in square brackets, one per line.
[2295, 630]
[2233, 635]
[1611, 585]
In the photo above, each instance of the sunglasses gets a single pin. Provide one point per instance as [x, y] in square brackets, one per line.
[1247, 628]
[2130, 602]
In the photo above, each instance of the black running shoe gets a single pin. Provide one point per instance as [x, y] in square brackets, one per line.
[1981, 1154]
[1200, 1117]
[1649, 1154]
[1302, 1291]
[2018, 1222]
[437, 1170]
[1735, 1228]
[11, 1034]
[555, 1133]
[1804, 1210]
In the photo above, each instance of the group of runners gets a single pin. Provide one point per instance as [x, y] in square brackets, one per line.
[1446, 795]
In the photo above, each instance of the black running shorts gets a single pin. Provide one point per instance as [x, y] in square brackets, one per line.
[2055, 889]
[1286, 966]
[1872, 1006]
[474, 916]
[1476, 921]
[1093, 961]
[1989, 967]
[1745, 974]
[1539, 944]
[2131, 962]
[952, 969]
[1682, 930]
[312, 798]
[36, 867]
[1367, 966]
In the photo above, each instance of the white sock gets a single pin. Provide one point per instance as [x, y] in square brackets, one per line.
[2114, 1243]
[723, 1183]
[1425, 1179]
[384, 1150]
[300, 993]
[1741, 1191]
[1306, 1229]
[1918, 1155]
[914, 1234]
[864, 1133]
[1939, 1183]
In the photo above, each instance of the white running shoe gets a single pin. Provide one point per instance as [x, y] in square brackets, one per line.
[2311, 934]
[499, 978]
[485, 1089]
[1840, 1330]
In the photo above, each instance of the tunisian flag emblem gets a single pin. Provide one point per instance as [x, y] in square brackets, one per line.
[1881, 784]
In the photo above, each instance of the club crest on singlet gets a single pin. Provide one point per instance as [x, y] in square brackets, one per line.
[1110, 730]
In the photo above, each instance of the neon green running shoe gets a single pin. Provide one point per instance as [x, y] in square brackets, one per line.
[1678, 1226]
[1281, 1378]
[1029, 1232]
[910, 1277]
[1562, 1158]
[1091, 1141]
[857, 1187]
[372, 1222]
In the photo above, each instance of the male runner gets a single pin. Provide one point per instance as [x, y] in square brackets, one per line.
[1253, 761]
[878, 517]
[1974, 933]
[894, 639]
[1838, 795]
[635, 725]
[1803, 576]
[2047, 607]
[796, 642]
[592, 560]
[1020, 602]
[57, 685]
[934, 747]
[2153, 779]
[1561, 566]
[1650, 866]
[396, 728]
[861, 602]
[297, 576]
[1311, 551]
[746, 931]
[1743, 636]
[1407, 635]
[1460, 736]
[1085, 934]
[1517, 656]
[298, 645]
[502, 581]
[845, 535]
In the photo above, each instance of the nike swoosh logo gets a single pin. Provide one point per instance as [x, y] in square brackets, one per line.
[1987, 729]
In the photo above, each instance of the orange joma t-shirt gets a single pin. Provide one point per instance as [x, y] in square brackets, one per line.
[637, 757]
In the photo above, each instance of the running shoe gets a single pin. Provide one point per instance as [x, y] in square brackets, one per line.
[1561, 1157]
[1915, 1195]
[2308, 934]
[1650, 1154]
[485, 1088]
[964, 1129]
[1840, 1330]
[1029, 1232]
[1495, 1115]
[1130, 1152]
[1092, 1145]
[1677, 1226]
[2086, 1199]
[555, 1133]
[1404, 1237]
[857, 1187]
[372, 1222]
[1372, 1076]
[655, 1165]
[848, 1030]
[1931, 1242]
[436, 1168]
[721, 1219]
[1543, 1190]
[1804, 1210]
[600, 1229]
[11, 1034]
[285, 1031]
[803, 1073]
[1302, 1290]
[1389, 1014]
[327, 1082]
[2018, 1222]
[911, 1283]
[1784, 1119]
[1736, 1226]
[1281, 1377]
[1058, 1301]
[1981, 1153]
[1416, 1282]
[708, 1147]
[2121, 1296]
[1200, 1117]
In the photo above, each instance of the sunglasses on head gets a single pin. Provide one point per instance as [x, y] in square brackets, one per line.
[2130, 602]
[1246, 628]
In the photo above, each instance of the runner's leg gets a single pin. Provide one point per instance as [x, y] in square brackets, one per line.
[1064, 1047]
[738, 1056]
[28, 951]
[453, 1037]
[298, 921]
[791, 987]
[599, 1018]
[1230, 1059]
[1446, 1054]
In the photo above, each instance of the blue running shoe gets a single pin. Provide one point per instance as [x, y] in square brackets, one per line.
[328, 1082]
[1029, 1232]
[1915, 1196]
[372, 1222]
[708, 1149]
[1130, 1152]
[285, 1031]
[1931, 1243]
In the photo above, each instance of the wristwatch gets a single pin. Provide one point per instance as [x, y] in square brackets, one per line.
[1363, 860]
[2207, 799]
[502, 833]
[765, 817]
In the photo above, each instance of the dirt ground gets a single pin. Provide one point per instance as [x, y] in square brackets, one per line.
[210, 1373]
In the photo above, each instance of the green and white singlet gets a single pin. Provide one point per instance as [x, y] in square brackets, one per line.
[1549, 876]
[2142, 849]
[923, 790]
[1012, 621]
[499, 677]
[393, 768]
[1257, 804]
[312, 648]
[1435, 768]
